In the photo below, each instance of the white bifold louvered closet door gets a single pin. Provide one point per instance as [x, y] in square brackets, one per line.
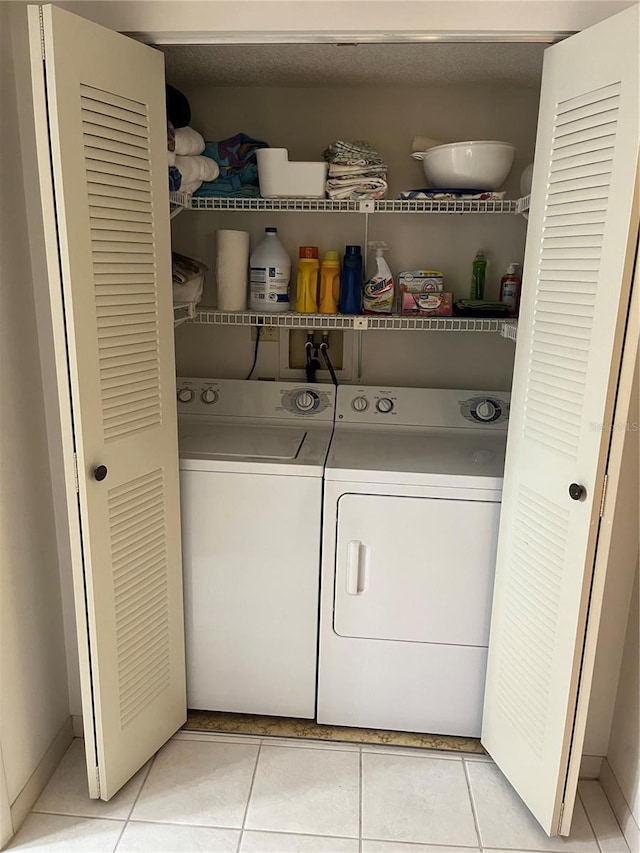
[578, 266]
[107, 137]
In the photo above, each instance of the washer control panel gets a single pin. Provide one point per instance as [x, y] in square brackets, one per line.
[237, 398]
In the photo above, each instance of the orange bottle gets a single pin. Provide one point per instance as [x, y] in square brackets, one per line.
[329, 283]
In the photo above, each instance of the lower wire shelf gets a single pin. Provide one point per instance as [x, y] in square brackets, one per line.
[183, 311]
[292, 320]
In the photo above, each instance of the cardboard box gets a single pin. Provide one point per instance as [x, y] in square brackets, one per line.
[428, 304]
[420, 281]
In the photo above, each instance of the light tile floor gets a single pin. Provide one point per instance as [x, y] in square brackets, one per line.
[235, 794]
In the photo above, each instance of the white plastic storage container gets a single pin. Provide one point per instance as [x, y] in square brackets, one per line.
[280, 178]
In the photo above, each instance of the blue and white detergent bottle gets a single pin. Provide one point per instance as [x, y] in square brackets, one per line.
[379, 291]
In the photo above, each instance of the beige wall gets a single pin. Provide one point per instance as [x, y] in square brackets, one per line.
[623, 754]
[304, 121]
[33, 681]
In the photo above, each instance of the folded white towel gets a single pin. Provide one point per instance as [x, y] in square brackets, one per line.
[171, 157]
[188, 142]
[197, 169]
[190, 187]
[354, 188]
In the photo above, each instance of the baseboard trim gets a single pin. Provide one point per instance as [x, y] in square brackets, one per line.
[77, 721]
[590, 766]
[618, 803]
[37, 782]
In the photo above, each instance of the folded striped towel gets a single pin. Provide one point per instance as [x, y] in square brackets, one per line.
[359, 153]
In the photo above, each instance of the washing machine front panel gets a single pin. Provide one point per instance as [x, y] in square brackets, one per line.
[251, 546]
[415, 569]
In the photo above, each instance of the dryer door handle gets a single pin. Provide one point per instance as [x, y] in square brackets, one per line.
[357, 567]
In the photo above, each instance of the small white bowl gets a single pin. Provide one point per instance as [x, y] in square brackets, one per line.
[481, 165]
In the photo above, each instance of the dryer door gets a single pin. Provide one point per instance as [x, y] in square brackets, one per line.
[415, 569]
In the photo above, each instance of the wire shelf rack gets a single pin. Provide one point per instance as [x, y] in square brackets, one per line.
[326, 205]
[291, 320]
[183, 311]
[509, 330]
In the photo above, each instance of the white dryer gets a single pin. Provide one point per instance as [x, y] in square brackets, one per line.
[252, 457]
[413, 484]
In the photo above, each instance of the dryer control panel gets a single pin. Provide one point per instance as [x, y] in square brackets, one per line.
[423, 407]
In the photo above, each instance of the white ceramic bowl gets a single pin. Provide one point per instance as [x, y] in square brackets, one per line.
[481, 165]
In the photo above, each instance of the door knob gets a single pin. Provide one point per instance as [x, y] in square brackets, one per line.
[577, 492]
[100, 472]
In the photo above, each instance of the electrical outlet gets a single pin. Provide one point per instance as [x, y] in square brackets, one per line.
[270, 334]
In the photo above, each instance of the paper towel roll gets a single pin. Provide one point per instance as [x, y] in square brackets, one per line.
[232, 267]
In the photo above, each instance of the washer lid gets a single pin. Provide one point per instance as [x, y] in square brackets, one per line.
[236, 441]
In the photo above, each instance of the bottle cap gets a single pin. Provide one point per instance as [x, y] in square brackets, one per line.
[480, 253]
[353, 250]
[331, 257]
[512, 269]
[308, 252]
[271, 230]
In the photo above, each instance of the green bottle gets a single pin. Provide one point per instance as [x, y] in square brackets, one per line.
[478, 275]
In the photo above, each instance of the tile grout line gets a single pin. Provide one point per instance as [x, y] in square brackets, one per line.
[586, 812]
[624, 800]
[471, 800]
[590, 822]
[133, 804]
[246, 808]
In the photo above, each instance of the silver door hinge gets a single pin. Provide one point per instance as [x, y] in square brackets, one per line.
[604, 494]
[98, 780]
[560, 816]
[75, 472]
[42, 48]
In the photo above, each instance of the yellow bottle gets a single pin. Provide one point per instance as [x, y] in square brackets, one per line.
[330, 283]
[308, 267]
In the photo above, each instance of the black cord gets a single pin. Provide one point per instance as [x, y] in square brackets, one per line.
[324, 349]
[312, 365]
[255, 352]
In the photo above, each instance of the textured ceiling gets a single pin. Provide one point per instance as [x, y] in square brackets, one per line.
[309, 65]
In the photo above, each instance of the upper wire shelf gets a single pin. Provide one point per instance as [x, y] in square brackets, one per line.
[327, 205]
[291, 320]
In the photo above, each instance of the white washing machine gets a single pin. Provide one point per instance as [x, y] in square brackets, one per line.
[252, 456]
[413, 484]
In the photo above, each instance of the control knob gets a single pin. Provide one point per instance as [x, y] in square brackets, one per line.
[209, 396]
[485, 411]
[384, 405]
[305, 401]
[185, 395]
[360, 404]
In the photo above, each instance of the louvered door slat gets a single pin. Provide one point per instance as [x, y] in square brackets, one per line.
[132, 114]
[118, 205]
[101, 118]
[104, 144]
[575, 295]
[108, 148]
[103, 154]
